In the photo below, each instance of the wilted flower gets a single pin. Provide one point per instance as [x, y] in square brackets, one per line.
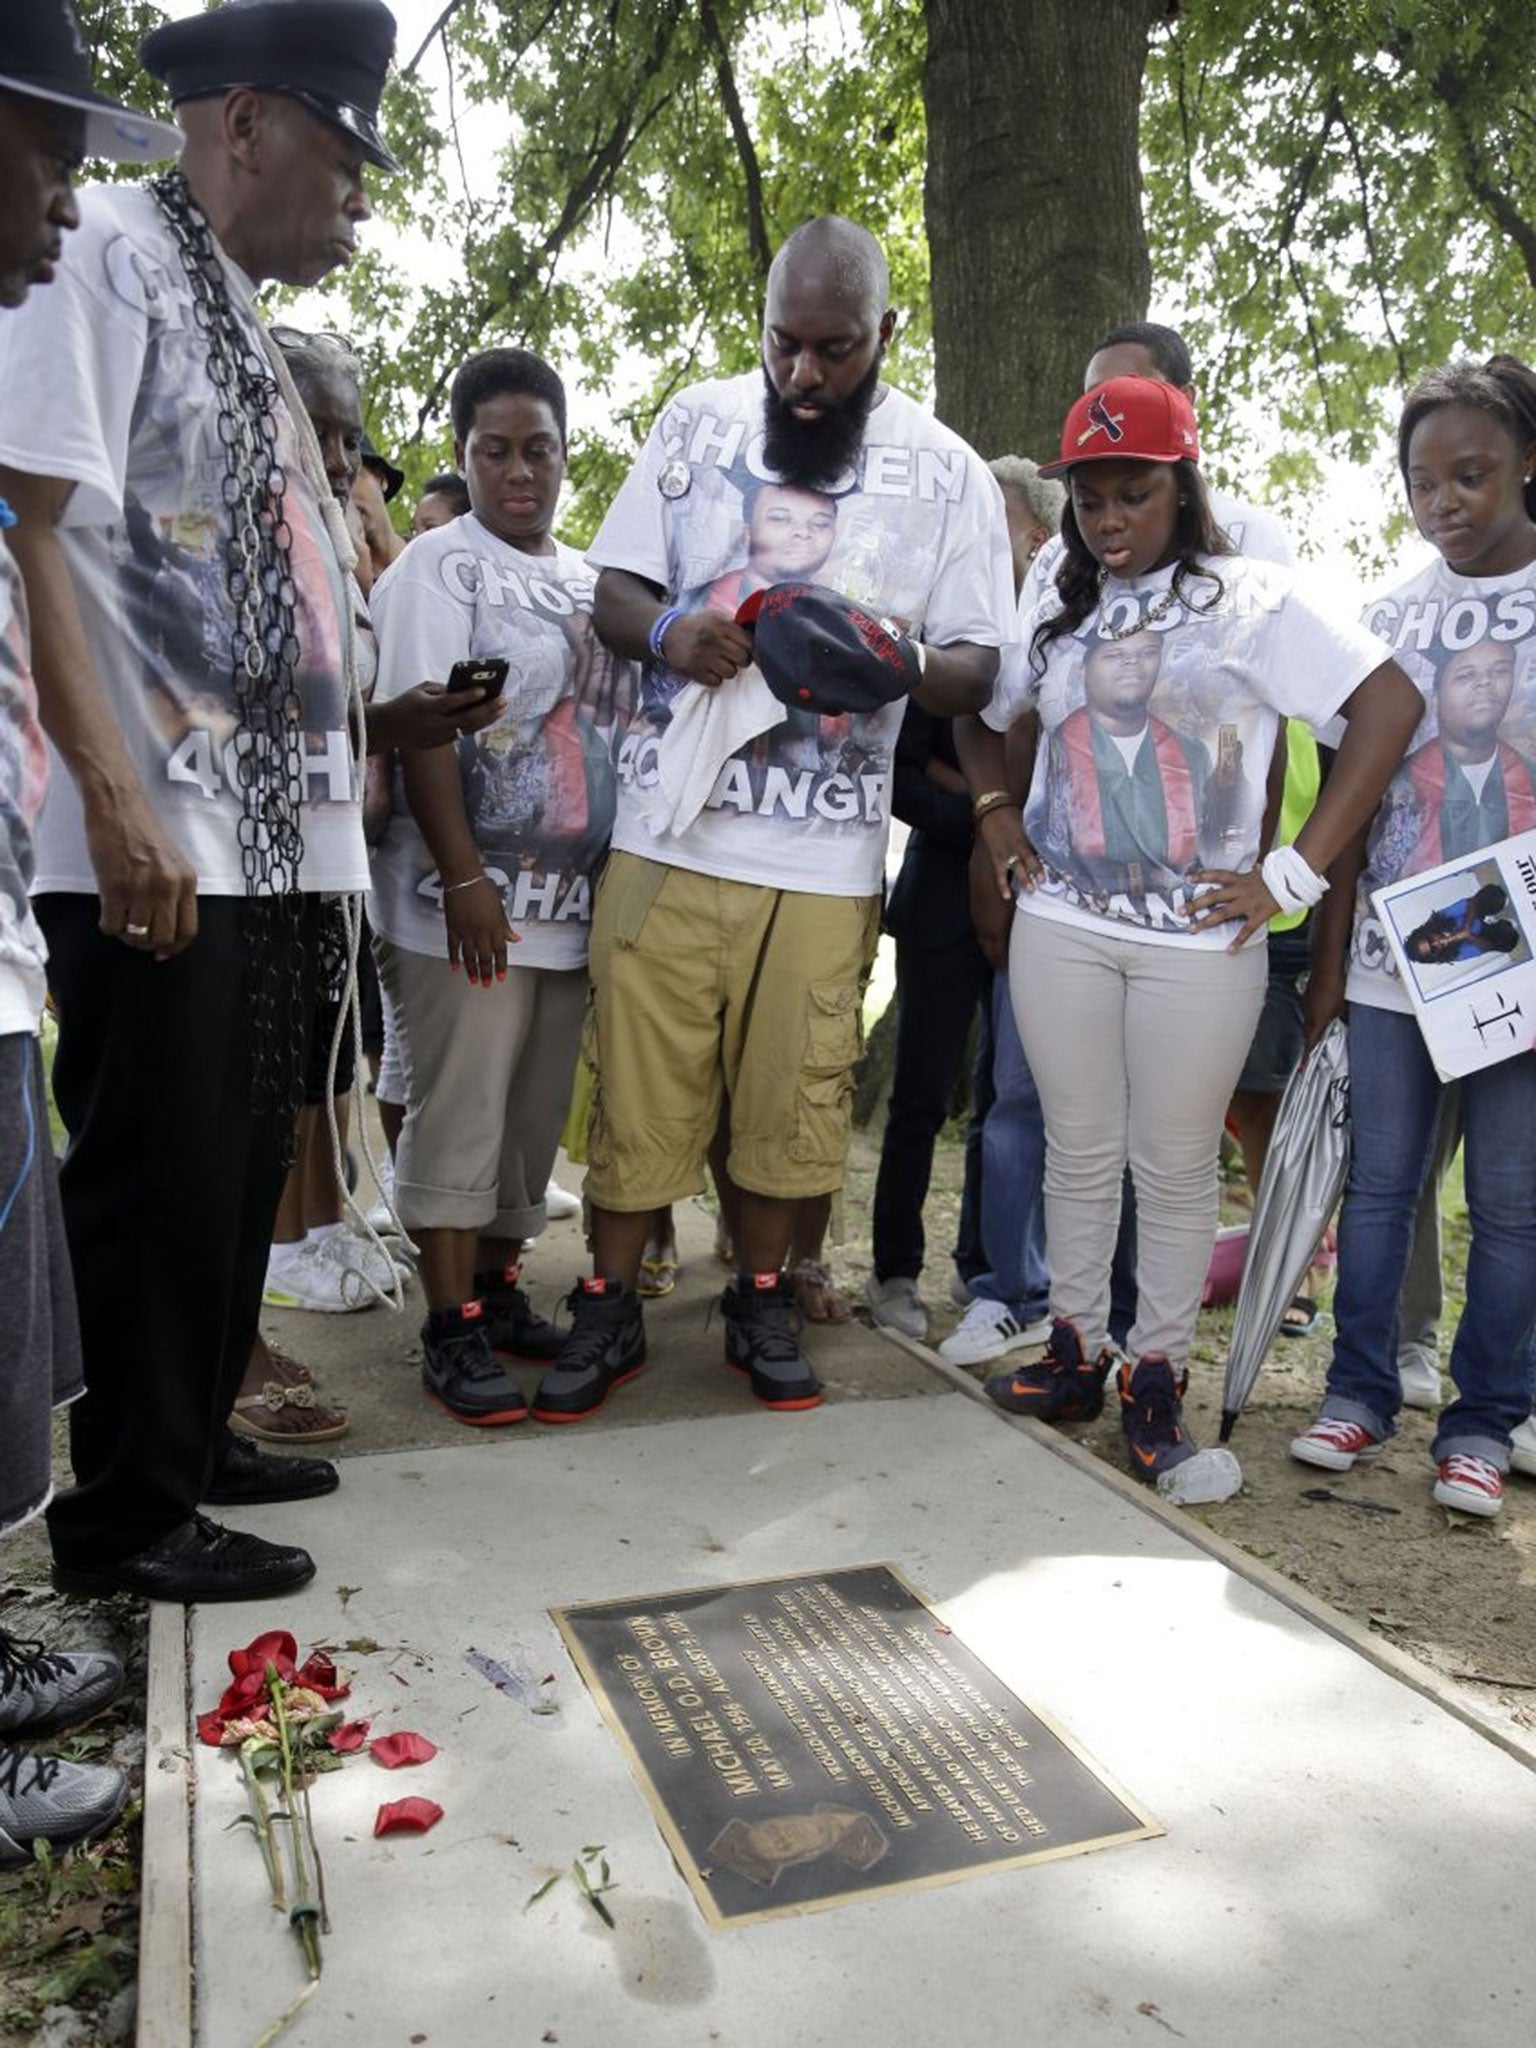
[308, 1688]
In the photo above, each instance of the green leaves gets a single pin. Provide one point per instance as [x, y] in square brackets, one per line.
[582, 1875]
[1334, 189]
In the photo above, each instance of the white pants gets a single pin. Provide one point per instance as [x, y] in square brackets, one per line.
[1135, 1049]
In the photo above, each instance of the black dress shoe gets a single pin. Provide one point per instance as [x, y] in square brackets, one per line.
[244, 1477]
[197, 1562]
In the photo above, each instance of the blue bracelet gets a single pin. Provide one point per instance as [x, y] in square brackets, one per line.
[661, 625]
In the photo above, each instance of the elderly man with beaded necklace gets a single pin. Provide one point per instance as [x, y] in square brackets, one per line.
[184, 564]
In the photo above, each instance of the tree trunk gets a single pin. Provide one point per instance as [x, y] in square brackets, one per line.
[1033, 204]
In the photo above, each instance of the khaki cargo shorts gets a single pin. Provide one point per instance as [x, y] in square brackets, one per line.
[706, 991]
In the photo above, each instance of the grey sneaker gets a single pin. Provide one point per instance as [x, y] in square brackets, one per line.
[604, 1347]
[896, 1305]
[459, 1370]
[41, 1692]
[1418, 1373]
[45, 1799]
[762, 1341]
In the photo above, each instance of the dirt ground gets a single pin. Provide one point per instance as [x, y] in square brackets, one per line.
[1450, 1591]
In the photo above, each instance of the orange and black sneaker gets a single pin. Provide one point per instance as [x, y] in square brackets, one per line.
[513, 1325]
[1065, 1385]
[459, 1369]
[604, 1347]
[1152, 1418]
[762, 1341]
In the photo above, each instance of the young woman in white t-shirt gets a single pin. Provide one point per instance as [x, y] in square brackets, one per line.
[1151, 686]
[1466, 627]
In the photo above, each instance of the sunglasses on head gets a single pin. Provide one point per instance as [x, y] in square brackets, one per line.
[295, 337]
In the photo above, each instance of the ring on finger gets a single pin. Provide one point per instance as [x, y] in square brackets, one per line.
[135, 931]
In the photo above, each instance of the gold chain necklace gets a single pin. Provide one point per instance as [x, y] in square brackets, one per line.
[1143, 620]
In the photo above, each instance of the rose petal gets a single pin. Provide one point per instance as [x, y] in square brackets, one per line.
[210, 1729]
[407, 1816]
[319, 1671]
[405, 1748]
[349, 1737]
[275, 1647]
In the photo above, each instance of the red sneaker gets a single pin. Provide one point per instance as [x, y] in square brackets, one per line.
[1471, 1484]
[1335, 1445]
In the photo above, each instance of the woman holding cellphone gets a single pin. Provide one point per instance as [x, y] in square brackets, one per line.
[482, 884]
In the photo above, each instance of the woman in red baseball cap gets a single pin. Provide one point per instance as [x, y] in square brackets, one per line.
[1149, 694]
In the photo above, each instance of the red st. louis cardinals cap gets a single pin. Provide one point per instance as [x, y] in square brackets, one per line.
[1128, 419]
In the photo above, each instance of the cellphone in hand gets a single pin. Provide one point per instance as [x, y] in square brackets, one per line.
[485, 673]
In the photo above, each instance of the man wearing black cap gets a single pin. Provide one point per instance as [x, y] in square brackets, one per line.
[50, 116]
[183, 558]
[736, 922]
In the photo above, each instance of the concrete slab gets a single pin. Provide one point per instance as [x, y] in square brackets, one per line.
[1344, 1862]
[372, 1360]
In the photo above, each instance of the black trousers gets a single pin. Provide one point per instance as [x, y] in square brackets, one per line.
[937, 990]
[170, 1189]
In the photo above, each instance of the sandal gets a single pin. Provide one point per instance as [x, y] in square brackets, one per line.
[658, 1273]
[815, 1294]
[290, 1387]
[323, 1425]
[1300, 1319]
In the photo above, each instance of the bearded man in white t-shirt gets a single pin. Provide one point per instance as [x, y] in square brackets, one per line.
[735, 925]
[184, 562]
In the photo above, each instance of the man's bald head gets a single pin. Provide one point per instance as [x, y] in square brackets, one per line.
[838, 258]
[825, 330]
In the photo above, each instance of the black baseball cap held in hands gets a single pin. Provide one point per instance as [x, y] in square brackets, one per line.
[329, 55]
[819, 651]
[43, 57]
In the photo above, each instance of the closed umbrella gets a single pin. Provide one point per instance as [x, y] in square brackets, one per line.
[1299, 1190]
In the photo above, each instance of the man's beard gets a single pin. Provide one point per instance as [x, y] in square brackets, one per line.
[815, 454]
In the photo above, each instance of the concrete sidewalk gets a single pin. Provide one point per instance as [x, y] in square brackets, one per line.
[1344, 1861]
[371, 1360]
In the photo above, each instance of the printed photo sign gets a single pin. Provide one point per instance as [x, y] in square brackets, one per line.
[811, 1740]
[1463, 936]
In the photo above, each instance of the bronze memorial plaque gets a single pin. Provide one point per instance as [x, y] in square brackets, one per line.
[809, 1740]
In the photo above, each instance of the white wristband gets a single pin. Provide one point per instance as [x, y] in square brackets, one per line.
[1291, 881]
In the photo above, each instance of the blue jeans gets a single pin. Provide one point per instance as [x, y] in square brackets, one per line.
[1012, 1206]
[1394, 1100]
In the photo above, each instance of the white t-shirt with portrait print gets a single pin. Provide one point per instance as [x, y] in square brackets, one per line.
[1253, 530]
[1448, 799]
[104, 383]
[917, 534]
[538, 783]
[1121, 828]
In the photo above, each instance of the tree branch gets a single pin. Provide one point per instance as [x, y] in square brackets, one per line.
[596, 182]
[1306, 171]
[757, 226]
[431, 36]
[1451, 89]
[1313, 339]
[1371, 251]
